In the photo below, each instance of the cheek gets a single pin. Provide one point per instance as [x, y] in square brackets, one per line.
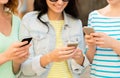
[65, 4]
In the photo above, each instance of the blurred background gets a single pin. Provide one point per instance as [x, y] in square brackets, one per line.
[84, 7]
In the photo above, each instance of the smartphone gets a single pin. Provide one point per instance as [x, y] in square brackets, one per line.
[72, 44]
[88, 30]
[27, 39]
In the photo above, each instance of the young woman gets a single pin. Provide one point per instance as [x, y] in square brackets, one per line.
[103, 46]
[11, 54]
[53, 24]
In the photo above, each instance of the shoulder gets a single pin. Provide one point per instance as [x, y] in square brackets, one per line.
[72, 19]
[95, 12]
[30, 15]
[30, 18]
[16, 17]
[75, 23]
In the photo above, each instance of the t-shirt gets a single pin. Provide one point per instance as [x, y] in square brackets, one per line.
[59, 69]
[5, 42]
[106, 62]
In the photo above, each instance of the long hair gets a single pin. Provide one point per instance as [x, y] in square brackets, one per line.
[71, 8]
[12, 6]
[41, 6]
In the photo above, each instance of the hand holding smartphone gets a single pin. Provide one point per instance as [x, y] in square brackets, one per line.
[27, 39]
[88, 30]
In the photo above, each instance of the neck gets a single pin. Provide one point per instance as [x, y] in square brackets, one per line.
[55, 16]
[2, 10]
[114, 7]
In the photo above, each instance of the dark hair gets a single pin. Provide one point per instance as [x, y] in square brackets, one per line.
[12, 5]
[42, 7]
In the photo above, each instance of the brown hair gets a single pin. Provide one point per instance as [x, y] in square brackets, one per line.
[12, 6]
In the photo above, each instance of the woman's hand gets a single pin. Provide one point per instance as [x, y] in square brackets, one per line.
[19, 54]
[89, 39]
[78, 56]
[91, 43]
[15, 51]
[103, 40]
[62, 54]
[23, 56]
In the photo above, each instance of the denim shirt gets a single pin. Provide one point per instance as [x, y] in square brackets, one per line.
[44, 41]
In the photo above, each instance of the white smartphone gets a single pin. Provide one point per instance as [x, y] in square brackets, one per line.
[88, 30]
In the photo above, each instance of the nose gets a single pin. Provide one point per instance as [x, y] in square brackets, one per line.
[59, 1]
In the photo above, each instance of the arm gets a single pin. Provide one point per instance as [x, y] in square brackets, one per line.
[16, 67]
[79, 61]
[32, 65]
[4, 58]
[91, 46]
[105, 41]
[116, 46]
[21, 58]
[11, 53]
[90, 53]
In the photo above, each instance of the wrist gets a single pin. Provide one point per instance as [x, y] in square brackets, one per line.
[117, 43]
[5, 57]
[16, 63]
[16, 67]
[80, 60]
[45, 60]
[48, 57]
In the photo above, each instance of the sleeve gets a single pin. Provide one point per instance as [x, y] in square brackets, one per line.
[31, 66]
[90, 19]
[75, 67]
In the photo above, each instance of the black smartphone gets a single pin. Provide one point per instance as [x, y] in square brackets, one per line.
[88, 30]
[72, 44]
[27, 39]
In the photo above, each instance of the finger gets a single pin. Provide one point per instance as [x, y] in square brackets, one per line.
[19, 44]
[67, 56]
[24, 47]
[68, 48]
[23, 55]
[66, 52]
[99, 43]
[98, 34]
[87, 36]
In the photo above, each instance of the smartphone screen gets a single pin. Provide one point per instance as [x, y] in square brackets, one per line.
[88, 30]
[27, 39]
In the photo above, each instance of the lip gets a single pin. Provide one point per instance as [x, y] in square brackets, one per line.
[60, 7]
[110, 0]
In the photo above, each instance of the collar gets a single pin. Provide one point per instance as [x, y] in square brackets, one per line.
[45, 18]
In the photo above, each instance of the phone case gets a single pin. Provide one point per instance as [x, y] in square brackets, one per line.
[88, 30]
[72, 44]
[27, 39]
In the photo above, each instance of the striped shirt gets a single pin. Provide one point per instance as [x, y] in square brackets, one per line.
[106, 63]
[59, 69]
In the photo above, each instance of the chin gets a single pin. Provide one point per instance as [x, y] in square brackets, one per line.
[59, 11]
[4, 2]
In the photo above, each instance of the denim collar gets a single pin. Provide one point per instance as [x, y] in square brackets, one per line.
[66, 18]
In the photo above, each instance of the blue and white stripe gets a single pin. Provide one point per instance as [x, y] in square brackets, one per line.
[106, 63]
